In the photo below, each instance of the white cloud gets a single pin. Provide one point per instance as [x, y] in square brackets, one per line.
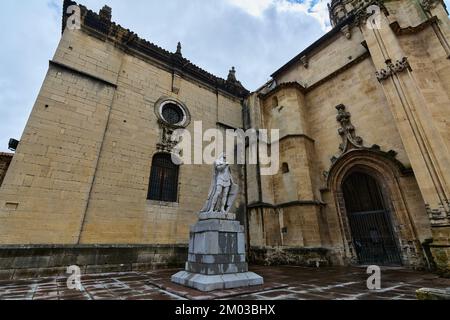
[314, 8]
[253, 7]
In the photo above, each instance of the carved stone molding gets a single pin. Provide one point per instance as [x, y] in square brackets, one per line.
[106, 14]
[347, 132]
[395, 26]
[439, 216]
[167, 140]
[304, 61]
[362, 14]
[427, 5]
[347, 31]
[393, 68]
[351, 141]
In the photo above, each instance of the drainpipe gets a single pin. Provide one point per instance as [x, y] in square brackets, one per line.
[244, 125]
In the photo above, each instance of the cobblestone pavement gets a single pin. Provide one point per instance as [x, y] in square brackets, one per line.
[286, 283]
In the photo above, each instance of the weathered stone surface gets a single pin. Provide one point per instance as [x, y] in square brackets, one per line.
[440, 249]
[217, 215]
[216, 268]
[218, 258]
[433, 294]
[309, 257]
[280, 282]
[38, 261]
[216, 225]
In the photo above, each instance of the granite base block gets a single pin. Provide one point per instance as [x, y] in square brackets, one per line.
[217, 258]
[207, 283]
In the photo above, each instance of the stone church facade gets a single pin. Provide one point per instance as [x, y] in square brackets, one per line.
[364, 145]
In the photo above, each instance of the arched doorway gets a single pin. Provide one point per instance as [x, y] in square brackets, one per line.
[369, 219]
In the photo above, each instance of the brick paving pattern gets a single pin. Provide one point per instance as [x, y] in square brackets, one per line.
[285, 283]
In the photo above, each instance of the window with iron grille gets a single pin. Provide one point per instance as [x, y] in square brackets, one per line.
[163, 179]
[172, 113]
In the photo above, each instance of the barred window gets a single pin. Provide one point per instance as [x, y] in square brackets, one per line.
[163, 179]
[172, 113]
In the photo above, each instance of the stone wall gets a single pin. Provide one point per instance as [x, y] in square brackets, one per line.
[81, 172]
[294, 256]
[5, 161]
[341, 68]
[32, 261]
[440, 250]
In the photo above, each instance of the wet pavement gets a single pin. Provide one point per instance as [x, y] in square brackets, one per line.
[285, 283]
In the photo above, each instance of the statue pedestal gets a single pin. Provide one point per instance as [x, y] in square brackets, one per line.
[217, 256]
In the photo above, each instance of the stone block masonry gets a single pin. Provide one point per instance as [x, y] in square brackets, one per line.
[217, 257]
[32, 261]
[80, 175]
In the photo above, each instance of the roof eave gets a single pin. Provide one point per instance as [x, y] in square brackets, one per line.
[330, 34]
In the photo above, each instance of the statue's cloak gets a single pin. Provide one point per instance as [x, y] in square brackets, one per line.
[231, 196]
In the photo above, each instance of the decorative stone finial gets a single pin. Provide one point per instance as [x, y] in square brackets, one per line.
[179, 49]
[232, 75]
[106, 13]
[337, 11]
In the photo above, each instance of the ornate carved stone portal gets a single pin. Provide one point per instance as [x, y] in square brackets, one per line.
[217, 258]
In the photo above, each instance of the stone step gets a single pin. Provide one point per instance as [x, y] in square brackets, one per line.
[218, 282]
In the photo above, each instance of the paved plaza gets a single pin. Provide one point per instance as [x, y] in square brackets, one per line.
[286, 283]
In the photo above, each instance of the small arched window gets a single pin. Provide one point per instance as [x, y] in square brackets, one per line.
[163, 179]
[285, 168]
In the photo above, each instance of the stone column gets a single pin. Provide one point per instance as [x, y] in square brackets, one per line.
[421, 131]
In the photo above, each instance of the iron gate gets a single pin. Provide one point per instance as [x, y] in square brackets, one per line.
[373, 238]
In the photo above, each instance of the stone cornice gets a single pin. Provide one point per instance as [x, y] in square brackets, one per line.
[282, 86]
[320, 42]
[395, 26]
[298, 203]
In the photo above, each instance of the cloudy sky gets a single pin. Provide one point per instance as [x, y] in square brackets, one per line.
[255, 36]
